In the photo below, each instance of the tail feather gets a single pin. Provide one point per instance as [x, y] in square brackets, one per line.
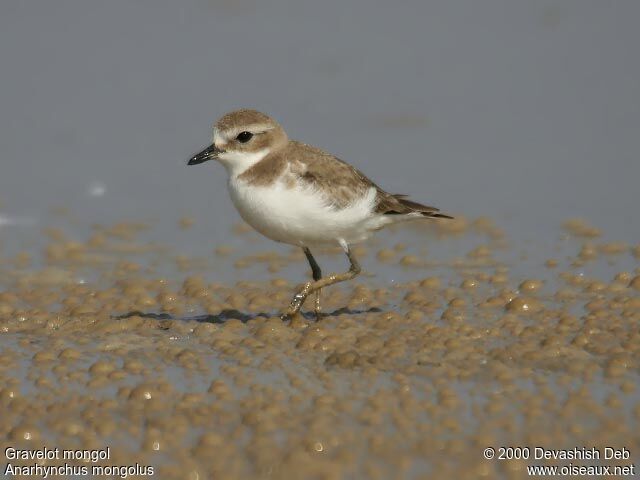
[409, 206]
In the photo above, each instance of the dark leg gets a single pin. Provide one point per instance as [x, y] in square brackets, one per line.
[317, 275]
[315, 268]
[310, 287]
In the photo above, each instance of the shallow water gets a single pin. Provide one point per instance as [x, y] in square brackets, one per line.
[137, 314]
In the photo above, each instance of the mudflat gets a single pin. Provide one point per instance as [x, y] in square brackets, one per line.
[112, 342]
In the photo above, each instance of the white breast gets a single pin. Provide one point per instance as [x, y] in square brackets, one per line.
[300, 215]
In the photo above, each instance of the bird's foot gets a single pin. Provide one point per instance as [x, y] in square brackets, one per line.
[286, 316]
[296, 320]
[298, 299]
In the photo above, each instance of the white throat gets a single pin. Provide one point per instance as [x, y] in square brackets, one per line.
[238, 162]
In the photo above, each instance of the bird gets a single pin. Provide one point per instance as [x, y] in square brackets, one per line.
[300, 195]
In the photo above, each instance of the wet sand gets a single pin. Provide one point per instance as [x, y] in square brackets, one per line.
[113, 341]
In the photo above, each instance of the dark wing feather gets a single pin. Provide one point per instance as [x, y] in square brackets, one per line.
[398, 205]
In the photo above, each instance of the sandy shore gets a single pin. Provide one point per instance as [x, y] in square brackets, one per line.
[201, 379]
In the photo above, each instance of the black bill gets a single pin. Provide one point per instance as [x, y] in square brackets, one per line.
[209, 153]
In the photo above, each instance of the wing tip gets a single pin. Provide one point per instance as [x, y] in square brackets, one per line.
[438, 215]
[424, 210]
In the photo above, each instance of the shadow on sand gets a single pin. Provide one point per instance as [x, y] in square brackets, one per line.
[232, 314]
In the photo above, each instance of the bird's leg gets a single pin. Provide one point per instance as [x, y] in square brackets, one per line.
[310, 287]
[317, 308]
[317, 275]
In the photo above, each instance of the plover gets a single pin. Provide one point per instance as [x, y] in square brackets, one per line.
[300, 195]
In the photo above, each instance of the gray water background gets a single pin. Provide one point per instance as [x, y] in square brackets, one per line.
[524, 111]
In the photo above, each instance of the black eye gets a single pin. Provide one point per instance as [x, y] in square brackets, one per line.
[244, 137]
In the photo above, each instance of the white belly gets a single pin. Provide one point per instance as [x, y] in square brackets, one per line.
[301, 216]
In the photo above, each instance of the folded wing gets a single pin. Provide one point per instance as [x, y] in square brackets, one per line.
[345, 184]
